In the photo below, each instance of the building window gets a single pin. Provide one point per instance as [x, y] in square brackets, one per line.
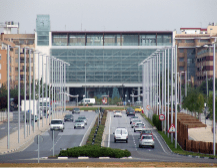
[181, 68]
[204, 40]
[181, 50]
[76, 40]
[0, 56]
[0, 76]
[0, 85]
[179, 41]
[112, 40]
[95, 40]
[147, 40]
[181, 59]
[59, 39]
[189, 41]
[0, 66]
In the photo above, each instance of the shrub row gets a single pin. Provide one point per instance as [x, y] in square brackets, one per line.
[157, 122]
[94, 151]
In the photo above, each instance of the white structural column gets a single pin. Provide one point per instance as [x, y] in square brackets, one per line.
[8, 82]
[159, 74]
[34, 92]
[46, 88]
[175, 96]
[30, 112]
[157, 86]
[24, 92]
[172, 53]
[42, 91]
[168, 84]
[39, 92]
[165, 100]
[162, 105]
[18, 94]
[214, 128]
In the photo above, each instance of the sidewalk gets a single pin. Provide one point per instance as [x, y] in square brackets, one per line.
[24, 142]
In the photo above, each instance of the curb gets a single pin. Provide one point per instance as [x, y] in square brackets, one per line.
[84, 157]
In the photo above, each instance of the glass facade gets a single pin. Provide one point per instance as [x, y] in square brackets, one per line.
[43, 29]
[103, 65]
[191, 68]
[111, 39]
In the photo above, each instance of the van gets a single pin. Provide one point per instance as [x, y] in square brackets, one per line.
[88, 101]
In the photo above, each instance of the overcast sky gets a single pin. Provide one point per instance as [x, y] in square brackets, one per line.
[110, 15]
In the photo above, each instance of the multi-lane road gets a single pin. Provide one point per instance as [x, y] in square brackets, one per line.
[70, 137]
[74, 137]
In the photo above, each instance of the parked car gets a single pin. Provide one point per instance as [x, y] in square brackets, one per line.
[132, 118]
[83, 118]
[139, 127]
[79, 123]
[130, 111]
[121, 134]
[146, 131]
[76, 111]
[57, 124]
[146, 140]
[138, 109]
[134, 122]
[68, 117]
[117, 114]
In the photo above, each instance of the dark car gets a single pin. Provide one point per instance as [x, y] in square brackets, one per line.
[130, 111]
[75, 111]
[68, 117]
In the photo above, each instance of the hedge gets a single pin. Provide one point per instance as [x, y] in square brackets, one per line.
[94, 151]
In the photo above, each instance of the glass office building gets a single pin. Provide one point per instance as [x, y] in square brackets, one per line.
[102, 61]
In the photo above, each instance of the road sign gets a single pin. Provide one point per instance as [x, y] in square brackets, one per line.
[172, 129]
[162, 117]
[148, 107]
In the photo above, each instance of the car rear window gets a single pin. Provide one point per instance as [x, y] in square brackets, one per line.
[56, 122]
[146, 131]
[147, 137]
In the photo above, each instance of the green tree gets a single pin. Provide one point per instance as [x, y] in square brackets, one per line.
[210, 106]
[194, 101]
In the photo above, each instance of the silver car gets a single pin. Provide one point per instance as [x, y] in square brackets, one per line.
[79, 124]
[76, 111]
[146, 140]
[83, 118]
[132, 118]
[139, 127]
[134, 122]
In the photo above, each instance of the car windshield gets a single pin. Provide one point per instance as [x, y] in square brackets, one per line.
[131, 110]
[56, 122]
[79, 120]
[76, 109]
[147, 137]
[68, 116]
[121, 131]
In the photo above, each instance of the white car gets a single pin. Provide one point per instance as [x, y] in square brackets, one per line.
[117, 114]
[139, 126]
[57, 124]
[121, 134]
[146, 140]
[79, 123]
[135, 121]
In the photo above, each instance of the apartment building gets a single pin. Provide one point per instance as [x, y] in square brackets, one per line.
[15, 40]
[195, 54]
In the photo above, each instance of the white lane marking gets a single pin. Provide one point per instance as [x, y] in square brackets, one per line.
[85, 135]
[109, 131]
[56, 142]
[3, 128]
[160, 144]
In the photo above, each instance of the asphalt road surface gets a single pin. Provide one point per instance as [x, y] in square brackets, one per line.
[159, 153]
[70, 137]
